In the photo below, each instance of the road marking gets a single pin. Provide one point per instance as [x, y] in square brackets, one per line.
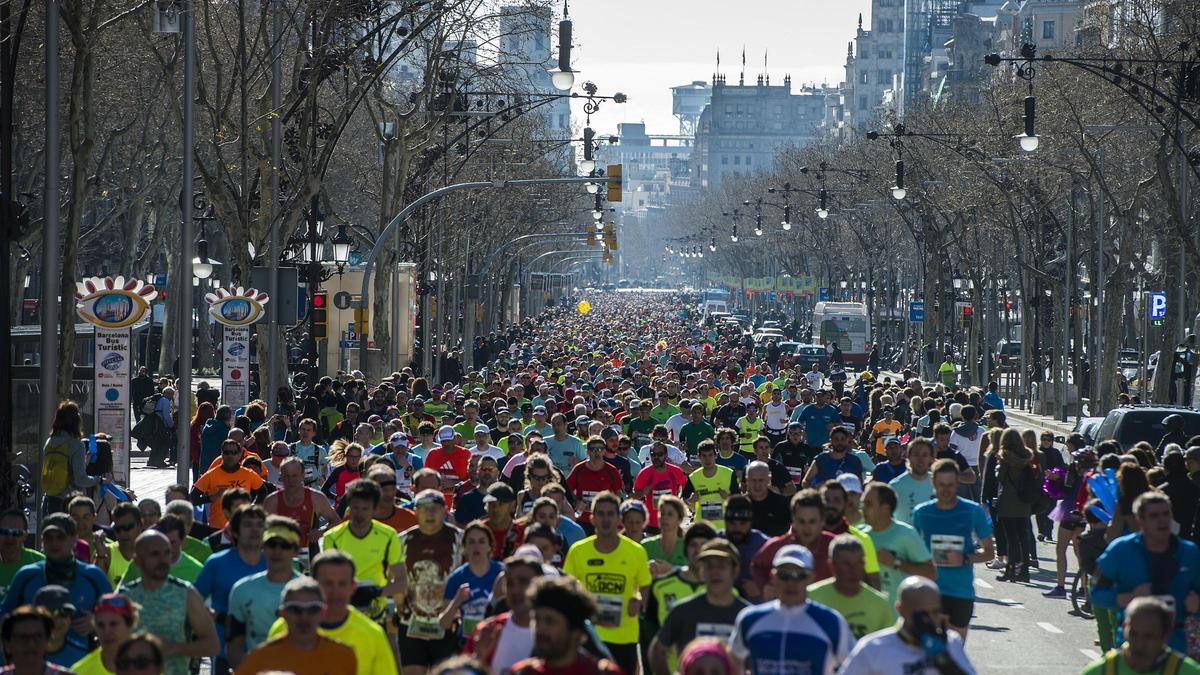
[982, 584]
[1009, 602]
[1050, 628]
[1091, 654]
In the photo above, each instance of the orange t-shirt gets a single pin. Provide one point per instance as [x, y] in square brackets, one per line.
[401, 519]
[329, 658]
[215, 481]
[246, 452]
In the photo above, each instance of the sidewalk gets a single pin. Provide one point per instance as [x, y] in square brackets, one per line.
[1018, 417]
[147, 482]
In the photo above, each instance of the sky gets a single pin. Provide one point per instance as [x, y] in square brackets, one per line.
[642, 48]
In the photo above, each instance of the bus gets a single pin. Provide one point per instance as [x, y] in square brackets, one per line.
[847, 325]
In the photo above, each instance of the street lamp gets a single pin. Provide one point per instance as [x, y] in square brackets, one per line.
[712, 244]
[898, 191]
[1029, 140]
[563, 78]
[341, 247]
[823, 209]
[787, 217]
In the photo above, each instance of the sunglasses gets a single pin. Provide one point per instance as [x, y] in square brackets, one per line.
[539, 476]
[136, 663]
[279, 543]
[232, 452]
[124, 528]
[12, 532]
[354, 455]
[791, 575]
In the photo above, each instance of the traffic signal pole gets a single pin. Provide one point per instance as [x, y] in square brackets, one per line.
[408, 210]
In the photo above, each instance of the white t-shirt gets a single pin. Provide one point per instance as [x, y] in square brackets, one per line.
[886, 653]
[674, 455]
[775, 416]
[968, 445]
[675, 424]
[816, 380]
[514, 644]
[489, 451]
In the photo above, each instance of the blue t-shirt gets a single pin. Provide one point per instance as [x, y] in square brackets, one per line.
[816, 423]
[88, 584]
[571, 532]
[993, 400]
[737, 461]
[475, 608]
[217, 578]
[254, 603]
[884, 473]
[558, 451]
[956, 529]
[829, 468]
[74, 648]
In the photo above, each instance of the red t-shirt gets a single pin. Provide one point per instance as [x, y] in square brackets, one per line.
[669, 481]
[450, 465]
[506, 540]
[585, 483]
[584, 665]
[763, 561]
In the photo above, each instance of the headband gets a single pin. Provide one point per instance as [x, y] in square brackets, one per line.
[283, 533]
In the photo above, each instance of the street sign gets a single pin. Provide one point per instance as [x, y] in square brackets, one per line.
[1158, 305]
[348, 344]
[823, 294]
[916, 311]
[342, 300]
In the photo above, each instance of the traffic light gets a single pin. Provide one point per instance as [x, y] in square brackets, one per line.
[614, 183]
[965, 316]
[610, 236]
[362, 320]
[320, 319]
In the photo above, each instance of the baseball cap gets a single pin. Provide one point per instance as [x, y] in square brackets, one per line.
[582, 421]
[398, 440]
[891, 440]
[446, 433]
[719, 548]
[500, 492]
[482, 429]
[539, 410]
[851, 483]
[608, 432]
[429, 497]
[795, 425]
[795, 555]
[54, 598]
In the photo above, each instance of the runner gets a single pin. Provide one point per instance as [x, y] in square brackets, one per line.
[301, 647]
[709, 486]
[616, 572]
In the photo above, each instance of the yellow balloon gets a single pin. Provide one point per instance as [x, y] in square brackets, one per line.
[584, 306]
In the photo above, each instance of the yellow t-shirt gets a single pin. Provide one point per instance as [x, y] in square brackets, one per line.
[613, 578]
[364, 636]
[870, 558]
[117, 563]
[373, 554]
[708, 493]
[91, 664]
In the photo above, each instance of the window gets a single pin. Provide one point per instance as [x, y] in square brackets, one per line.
[737, 160]
[1047, 30]
[865, 78]
[885, 77]
[724, 160]
[748, 160]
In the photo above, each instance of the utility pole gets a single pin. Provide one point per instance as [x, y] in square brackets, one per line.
[184, 318]
[50, 259]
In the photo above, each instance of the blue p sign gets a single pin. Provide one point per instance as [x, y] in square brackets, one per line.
[1158, 305]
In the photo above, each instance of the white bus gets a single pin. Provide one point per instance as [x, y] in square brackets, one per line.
[847, 325]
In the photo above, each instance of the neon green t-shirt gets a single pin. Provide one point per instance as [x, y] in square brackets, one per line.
[364, 636]
[613, 578]
[707, 491]
[866, 612]
[1185, 665]
[91, 664]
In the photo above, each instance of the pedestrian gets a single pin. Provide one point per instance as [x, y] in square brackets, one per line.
[302, 647]
[114, 616]
[1016, 481]
[865, 609]
[1148, 627]
[561, 609]
[25, 634]
[254, 600]
[64, 460]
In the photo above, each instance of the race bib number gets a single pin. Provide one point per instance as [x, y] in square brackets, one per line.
[712, 510]
[425, 629]
[609, 609]
[947, 550]
[720, 631]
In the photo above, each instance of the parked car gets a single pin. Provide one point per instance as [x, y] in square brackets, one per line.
[1008, 352]
[1087, 427]
[806, 355]
[1131, 424]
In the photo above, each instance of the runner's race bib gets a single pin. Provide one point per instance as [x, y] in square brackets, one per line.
[712, 510]
[609, 609]
[944, 546]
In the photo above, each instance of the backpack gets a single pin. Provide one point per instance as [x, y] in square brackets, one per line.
[56, 468]
[150, 403]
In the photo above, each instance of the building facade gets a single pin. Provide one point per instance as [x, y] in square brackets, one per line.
[745, 126]
[874, 63]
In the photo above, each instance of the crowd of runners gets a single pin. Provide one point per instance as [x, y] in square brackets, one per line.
[622, 490]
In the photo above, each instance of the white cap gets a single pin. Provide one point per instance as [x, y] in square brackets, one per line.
[793, 554]
[446, 433]
[399, 440]
[482, 429]
[851, 483]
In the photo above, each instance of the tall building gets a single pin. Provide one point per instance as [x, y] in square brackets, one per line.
[874, 63]
[744, 126]
[656, 167]
[928, 27]
[525, 60]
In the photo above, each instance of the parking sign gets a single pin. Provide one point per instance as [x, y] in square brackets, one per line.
[1158, 305]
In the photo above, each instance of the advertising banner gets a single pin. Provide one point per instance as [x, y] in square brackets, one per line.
[112, 305]
[802, 285]
[235, 366]
[112, 395]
